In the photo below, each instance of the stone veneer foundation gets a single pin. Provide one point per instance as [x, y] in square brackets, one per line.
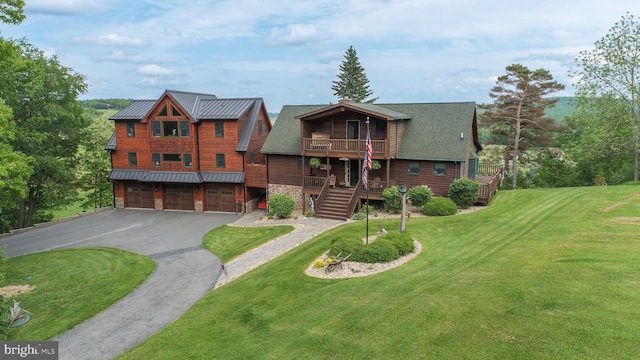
[295, 192]
[119, 203]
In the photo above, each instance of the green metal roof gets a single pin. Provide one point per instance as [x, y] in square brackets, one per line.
[434, 131]
[284, 137]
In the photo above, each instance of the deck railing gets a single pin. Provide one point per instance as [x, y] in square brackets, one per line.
[353, 146]
[488, 189]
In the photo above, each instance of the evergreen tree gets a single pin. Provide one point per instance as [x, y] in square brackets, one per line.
[517, 115]
[353, 82]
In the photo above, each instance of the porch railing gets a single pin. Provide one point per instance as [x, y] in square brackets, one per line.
[354, 146]
[314, 182]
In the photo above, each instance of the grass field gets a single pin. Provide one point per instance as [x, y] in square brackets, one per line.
[540, 274]
[228, 242]
[72, 285]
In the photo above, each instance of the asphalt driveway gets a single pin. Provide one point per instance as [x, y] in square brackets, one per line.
[185, 272]
[146, 232]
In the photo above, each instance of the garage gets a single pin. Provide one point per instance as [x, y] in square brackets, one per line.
[219, 198]
[139, 195]
[178, 197]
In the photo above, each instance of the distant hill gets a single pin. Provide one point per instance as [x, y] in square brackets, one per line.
[564, 107]
[103, 104]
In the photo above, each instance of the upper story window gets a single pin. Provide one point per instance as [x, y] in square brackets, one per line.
[219, 130]
[170, 128]
[440, 169]
[381, 127]
[414, 168]
[326, 126]
[259, 127]
[131, 130]
[155, 159]
[172, 157]
[187, 160]
[133, 159]
[220, 163]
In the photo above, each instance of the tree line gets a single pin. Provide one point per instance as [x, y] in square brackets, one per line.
[50, 148]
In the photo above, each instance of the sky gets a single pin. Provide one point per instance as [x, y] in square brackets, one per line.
[289, 52]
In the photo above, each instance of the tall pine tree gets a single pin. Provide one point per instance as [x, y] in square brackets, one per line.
[353, 82]
[517, 115]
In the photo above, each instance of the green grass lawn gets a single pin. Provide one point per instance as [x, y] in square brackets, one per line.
[72, 285]
[227, 242]
[540, 274]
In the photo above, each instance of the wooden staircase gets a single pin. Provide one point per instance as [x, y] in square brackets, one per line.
[335, 204]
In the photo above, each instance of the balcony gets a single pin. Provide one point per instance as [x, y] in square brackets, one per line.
[350, 148]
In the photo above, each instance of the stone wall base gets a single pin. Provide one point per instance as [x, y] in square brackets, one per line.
[119, 203]
[295, 192]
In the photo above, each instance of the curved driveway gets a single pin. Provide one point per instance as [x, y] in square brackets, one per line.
[185, 272]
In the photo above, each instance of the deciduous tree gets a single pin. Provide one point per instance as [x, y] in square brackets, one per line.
[12, 11]
[42, 94]
[517, 115]
[352, 81]
[610, 73]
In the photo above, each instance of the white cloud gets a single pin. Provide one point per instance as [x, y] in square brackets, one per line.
[119, 40]
[154, 70]
[296, 34]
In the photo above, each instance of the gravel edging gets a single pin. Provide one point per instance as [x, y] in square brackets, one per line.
[352, 269]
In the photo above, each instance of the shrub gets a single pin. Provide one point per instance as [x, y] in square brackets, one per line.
[439, 206]
[359, 216]
[4, 303]
[281, 205]
[309, 213]
[379, 251]
[464, 192]
[392, 199]
[419, 195]
[318, 264]
[346, 245]
[402, 242]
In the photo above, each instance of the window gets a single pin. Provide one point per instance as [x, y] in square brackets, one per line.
[259, 127]
[220, 161]
[131, 130]
[133, 159]
[299, 163]
[169, 128]
[155, 159]
[187, 160]
[414, 168]
[219, 130]
[326, 126]
[251, 156]
[175, 112]
[473, 168]
[163, 112]
[381, 127]
[155, 129]
[440, 169]
[172, 157]
[184, 128]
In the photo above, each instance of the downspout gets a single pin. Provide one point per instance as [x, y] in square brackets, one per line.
[197, 146]
[244, 184]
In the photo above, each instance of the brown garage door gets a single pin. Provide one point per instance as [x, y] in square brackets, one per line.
[219, 198]
[178, 197]
[139, 195]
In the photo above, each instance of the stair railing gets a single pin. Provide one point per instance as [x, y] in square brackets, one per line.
[354, 199]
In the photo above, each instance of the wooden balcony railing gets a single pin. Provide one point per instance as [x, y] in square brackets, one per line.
[343, 146]
[489, 185]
